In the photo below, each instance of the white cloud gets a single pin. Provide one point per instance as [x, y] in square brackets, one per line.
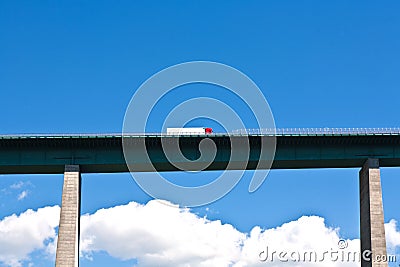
[20, 235]
[23, 195]
[17, 185]
[158, 234]
[392, 236]
[296, 240]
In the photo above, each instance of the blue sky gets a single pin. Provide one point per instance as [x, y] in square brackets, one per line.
[72, 67]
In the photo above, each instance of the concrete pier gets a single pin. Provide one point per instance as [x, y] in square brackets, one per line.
[372, 229]
[67, 254]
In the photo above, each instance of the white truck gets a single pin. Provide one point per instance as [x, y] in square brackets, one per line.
[189, 131]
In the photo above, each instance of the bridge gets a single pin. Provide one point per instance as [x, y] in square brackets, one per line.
[74, 154]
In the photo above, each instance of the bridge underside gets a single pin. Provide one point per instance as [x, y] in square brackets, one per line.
[105, 154]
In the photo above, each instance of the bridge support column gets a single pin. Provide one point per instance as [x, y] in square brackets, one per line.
[372, 229]
[67, 254]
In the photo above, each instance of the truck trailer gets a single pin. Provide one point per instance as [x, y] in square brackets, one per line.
[189, 131]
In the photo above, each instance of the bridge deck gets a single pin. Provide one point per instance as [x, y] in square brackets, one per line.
[103, 152]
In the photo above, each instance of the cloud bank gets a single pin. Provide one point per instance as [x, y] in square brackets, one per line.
[156, 234]
[23, 234]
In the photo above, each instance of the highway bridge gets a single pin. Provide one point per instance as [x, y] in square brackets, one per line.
[73, 154]
[103, 153]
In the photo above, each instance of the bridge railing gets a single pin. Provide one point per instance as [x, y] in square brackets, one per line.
[319, 131]
[270, 131]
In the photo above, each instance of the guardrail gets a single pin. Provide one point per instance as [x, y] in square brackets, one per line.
[320, 131]
[270, 132]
